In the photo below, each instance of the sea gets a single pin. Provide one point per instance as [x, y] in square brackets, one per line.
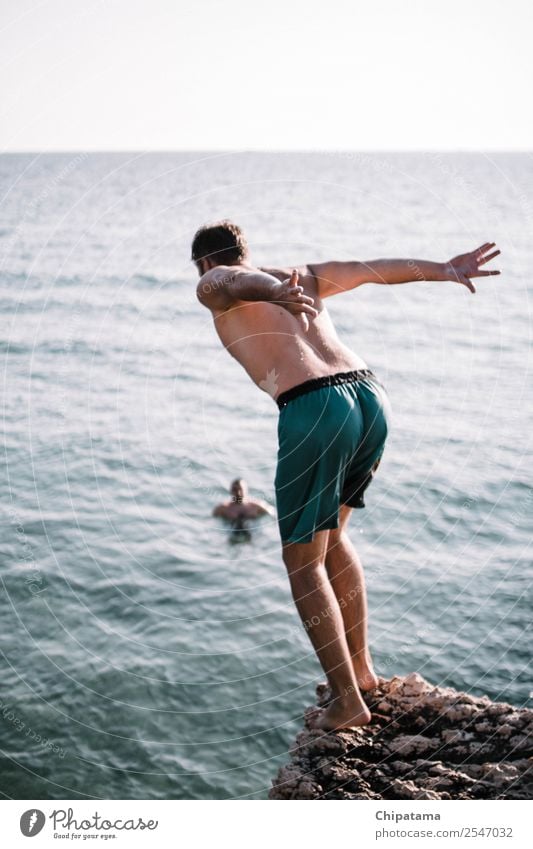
[147, 651]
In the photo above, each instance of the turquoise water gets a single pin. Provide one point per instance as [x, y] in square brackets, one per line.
[143, 655]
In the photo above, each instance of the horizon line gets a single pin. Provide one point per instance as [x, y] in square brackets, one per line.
[221, 151]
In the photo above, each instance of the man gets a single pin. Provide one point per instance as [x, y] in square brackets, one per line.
[241, 507]
[333, 422]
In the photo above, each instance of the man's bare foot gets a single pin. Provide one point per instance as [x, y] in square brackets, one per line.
[340, 715]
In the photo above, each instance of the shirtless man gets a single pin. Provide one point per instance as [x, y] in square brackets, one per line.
[241, 507]
[332, 426]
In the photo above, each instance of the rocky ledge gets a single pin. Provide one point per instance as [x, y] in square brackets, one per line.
[424, 742]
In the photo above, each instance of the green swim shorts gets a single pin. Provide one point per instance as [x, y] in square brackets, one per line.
[331, 436]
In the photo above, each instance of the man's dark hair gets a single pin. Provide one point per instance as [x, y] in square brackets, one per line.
[222, 242]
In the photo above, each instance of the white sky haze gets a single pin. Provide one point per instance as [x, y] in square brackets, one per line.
[187, 74]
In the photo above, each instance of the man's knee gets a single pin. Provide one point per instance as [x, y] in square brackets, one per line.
[299, 555]
[293, 554]
[302, 557]
[337, 538]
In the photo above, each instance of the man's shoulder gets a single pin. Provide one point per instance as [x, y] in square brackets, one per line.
[305, 273]
[222, 508]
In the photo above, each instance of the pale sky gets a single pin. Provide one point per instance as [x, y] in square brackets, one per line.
[280, 74]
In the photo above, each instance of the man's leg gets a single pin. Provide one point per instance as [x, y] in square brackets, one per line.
[348, 581]
[319, 610]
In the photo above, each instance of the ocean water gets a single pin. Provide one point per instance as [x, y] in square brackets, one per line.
[143, 653]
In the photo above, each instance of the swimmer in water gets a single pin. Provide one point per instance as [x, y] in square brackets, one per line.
[241, 507]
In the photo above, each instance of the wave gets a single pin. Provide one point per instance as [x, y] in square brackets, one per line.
[42, 280]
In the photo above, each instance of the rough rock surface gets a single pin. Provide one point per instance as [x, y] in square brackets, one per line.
[424, 742]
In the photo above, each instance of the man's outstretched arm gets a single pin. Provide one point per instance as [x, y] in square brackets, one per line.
[336, 277]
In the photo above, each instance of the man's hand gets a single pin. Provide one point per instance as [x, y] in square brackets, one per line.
[290, 296]
[461, 268]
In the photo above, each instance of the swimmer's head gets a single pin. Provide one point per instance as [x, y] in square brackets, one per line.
[239, 490]
[222, 243]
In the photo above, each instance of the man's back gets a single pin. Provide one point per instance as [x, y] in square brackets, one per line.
[275, 347]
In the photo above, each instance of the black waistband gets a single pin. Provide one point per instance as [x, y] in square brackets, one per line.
[318, 382]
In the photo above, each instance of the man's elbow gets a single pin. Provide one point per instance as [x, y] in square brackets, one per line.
[213, 290]
[204, 292]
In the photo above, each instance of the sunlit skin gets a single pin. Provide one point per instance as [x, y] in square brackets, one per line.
[241, 506]
[275, 323]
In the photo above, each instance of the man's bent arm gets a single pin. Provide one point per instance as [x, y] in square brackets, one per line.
[221, 286]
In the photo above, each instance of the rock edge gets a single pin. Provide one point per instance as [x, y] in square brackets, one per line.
[424, 742]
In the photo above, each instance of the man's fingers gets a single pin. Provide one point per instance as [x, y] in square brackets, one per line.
[485, 247]
[485, 259]
[307, 308]
[487, 273]
[462, 278]
[306, 299]
[293, 281]
[292, 297]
